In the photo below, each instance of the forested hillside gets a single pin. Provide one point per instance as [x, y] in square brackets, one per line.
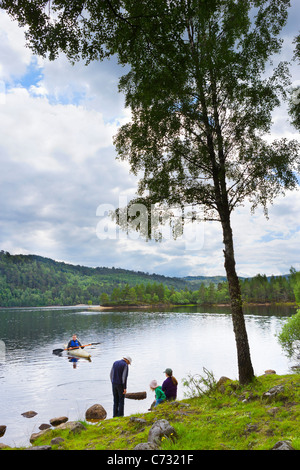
[30, 280]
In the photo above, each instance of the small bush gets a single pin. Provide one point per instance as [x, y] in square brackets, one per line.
[289, 337]
[199, 385]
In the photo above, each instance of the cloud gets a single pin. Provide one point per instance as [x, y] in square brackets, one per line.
[58, 166]
[14, 57]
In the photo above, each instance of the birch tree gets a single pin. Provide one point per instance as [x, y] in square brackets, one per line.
[201, 93]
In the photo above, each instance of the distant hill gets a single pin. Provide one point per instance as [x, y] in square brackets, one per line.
[204, 279]
[31, 280]
[34, 281]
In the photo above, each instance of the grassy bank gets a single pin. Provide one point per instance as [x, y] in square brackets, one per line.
[230, 418]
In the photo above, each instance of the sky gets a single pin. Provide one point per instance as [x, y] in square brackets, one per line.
[59, 174]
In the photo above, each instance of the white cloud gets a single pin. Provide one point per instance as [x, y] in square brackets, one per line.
[58, 165]
[14, 57]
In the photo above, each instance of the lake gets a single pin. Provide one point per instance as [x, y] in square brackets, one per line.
[185, 339]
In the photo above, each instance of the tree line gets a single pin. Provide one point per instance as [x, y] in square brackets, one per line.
[34, 281]
[259, 289]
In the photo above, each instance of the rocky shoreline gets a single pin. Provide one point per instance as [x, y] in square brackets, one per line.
[94, 413]
[272, 402]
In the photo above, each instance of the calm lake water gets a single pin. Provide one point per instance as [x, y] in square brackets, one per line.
[185, 339]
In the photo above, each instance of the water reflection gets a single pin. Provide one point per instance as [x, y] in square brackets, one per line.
[31, 377]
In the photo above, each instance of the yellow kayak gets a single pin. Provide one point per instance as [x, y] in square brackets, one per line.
[78, 353]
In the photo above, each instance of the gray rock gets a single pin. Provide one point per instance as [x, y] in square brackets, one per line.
[282, 445]
[72, 425]
[77, 428]
[145, 446]
[36, 435]
[56, 441]
[274, 391]
[160, 429]
[39, 448]
[134, 419]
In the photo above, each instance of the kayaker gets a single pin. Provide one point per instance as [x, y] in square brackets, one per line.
[118, 377]
[74, 343]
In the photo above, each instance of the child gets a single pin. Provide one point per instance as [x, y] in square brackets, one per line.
[159, 394]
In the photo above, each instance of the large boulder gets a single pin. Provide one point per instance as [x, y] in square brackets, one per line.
[2, 430]
[95, 412]
[160, 429]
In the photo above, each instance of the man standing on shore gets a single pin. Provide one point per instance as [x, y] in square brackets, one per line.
[118, 377]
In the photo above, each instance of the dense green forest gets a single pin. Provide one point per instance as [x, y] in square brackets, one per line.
[260, 289]
[30, 280]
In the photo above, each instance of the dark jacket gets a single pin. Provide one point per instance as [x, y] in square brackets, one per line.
[169, 388]
[119, 373]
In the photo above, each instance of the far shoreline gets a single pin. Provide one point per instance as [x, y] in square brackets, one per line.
[160, 305]
[145, 306]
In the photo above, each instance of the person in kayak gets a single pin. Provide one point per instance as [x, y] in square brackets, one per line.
[74, 343]
[118, 377]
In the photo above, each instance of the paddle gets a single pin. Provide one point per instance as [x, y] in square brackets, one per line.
[58, 351]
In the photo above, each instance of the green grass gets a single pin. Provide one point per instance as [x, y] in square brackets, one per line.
[238, 418]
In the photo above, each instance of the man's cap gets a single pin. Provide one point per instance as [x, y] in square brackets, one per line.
[128, 358]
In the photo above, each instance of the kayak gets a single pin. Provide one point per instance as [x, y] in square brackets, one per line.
[78, 353]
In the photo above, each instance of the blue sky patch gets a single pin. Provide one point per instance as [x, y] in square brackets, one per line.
[33, 76]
